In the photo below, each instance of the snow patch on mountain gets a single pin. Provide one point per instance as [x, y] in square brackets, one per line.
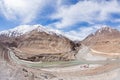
[17, 31]
[22, 29]
[106, 28]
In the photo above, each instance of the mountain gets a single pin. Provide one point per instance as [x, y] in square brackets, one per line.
[105, 40]
[12, 34]
[39, 42]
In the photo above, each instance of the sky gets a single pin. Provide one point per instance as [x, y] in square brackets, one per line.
[75, 18]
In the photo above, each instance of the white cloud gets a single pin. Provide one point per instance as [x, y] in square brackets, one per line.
[85, 11]
[82, 32]
[78, 34]
[23, 10]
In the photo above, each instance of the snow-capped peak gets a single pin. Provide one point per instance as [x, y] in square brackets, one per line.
[105, 28]
[19, 30]
[22, 29]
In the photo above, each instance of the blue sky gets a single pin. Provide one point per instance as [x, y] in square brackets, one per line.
[75, 18]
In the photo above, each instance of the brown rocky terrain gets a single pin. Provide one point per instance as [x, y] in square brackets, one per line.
[42, 46]
[105, 40]
[38, 45]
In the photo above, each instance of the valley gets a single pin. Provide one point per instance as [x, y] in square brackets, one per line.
[37, 55]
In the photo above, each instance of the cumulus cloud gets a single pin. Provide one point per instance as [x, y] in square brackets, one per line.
[85, 11]
[23, 10]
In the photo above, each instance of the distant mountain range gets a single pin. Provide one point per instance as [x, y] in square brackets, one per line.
[40, 42]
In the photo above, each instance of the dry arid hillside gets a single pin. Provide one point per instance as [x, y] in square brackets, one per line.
[40, 44]
[106, 40]
[44, 55]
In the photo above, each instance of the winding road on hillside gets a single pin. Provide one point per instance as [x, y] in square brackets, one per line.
[111, 54]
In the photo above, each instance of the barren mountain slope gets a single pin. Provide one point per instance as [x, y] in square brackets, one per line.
[105, 40]
[39, 44]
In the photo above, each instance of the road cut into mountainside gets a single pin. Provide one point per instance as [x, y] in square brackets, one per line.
[105, 53]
